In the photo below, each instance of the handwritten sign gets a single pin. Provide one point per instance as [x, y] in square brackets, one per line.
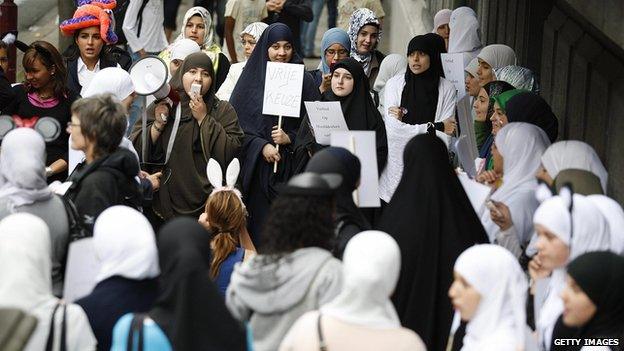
[453, 66]
[282, 89]
[363, 145]
[325, 117]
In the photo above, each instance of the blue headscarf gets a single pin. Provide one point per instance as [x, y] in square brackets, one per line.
[331, 37]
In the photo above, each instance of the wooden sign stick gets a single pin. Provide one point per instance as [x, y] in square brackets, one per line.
[279, 126]
[356, 194]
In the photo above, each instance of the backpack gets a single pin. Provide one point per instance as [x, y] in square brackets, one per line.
[120, 14]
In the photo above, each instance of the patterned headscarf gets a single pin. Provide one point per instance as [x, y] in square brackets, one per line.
[359, 19]
[519, 77]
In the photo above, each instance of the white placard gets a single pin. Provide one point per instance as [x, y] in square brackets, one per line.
[325, 117]
[453, 66]
[363, 145]
[477, 192]
[282, 89]
[462, 146]
[82, 268]
[466, 126]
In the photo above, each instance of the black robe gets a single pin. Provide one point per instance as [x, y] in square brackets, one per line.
[432, 220]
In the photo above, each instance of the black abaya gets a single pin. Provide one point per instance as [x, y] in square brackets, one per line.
[433, 222]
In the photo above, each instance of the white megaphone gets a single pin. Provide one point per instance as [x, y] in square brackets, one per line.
[150, 77]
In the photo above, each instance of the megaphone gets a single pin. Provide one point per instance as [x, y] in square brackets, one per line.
[150, 77]
[48, 127]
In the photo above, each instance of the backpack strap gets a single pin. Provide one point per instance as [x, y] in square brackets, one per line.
[140, 17]
[63, 343]
[322, 344]
[136, 327]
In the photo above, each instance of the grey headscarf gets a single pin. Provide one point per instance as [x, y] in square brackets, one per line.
[22, 168]
[519, 77]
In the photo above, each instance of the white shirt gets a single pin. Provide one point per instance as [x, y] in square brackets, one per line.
[228, 85]
[152, 37]
[84, 75]
[400, 133]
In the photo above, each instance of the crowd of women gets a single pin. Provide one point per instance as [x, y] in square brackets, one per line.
[202, 245]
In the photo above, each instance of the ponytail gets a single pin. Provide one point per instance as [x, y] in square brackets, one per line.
[223, 245]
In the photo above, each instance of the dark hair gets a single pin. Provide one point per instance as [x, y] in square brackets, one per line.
[3, 45]
[297, 221]
[73, 52]
[102, 121]
[49, 56]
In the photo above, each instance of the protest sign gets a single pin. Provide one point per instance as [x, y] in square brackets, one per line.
[363, 145]
[453, 66]
[466, 128]
[325, 117]
[282, 89]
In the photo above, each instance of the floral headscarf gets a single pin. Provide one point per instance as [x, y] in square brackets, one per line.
[359, 19]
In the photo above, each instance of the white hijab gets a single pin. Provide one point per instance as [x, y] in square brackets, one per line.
[500, 320]
[521, 145]
[441, 17]
[111, 80]
[371, 265]
[206, 17]
[498, 55]
[472, 67]
[574, 154]
[181, 48]
[615, 216]
[583, 230]
[125, 244]
[464, 36]
[22, 168]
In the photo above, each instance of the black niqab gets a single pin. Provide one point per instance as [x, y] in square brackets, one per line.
[189, 307]
[433, 222]
[420, 94]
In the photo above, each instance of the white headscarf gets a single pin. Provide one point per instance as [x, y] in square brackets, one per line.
[359, 19]
[206, 17]
[22, 168]
[442, 17]
[497, 55]
[392, 65]
[464, 36]
[583, 230]
[615, 216]
[472, 67]
[111, 80]
[521, 145]
[574, 154]
[500, 320]
[182, 48]
[255, 30]
[25, 265]
[125, 244]
[370, 266]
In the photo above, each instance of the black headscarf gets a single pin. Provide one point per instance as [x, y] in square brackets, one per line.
[433, 222]
[531, 108]
[420, 94]
[337, 160]
[195, 60]
[189, 307]
[601, 276]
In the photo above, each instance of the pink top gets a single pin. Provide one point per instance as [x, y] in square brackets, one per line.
[35, 100]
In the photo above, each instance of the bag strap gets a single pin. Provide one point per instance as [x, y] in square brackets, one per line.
[140, 17]
[50, 342]
[322, 344]
[136, 327]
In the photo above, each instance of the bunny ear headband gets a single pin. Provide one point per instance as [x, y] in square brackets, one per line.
[92, 13]
[215, 177]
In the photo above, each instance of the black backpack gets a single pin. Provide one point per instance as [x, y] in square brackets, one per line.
[120, 13]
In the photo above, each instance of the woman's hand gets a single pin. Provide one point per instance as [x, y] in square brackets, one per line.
[487, 177]
[325, 83]
[161, 109]
[536, 270]
[449, 126]
[198, 107]
[501, 216]
[279, 136]
[203, 221]
[270, 153]
[396, 112]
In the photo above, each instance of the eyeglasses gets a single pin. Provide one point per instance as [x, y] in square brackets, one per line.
[332, 52]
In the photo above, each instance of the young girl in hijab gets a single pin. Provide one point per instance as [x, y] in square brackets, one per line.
[189, 314]
[335, 47]
[433, 222]
[567, 226]
[492, 57]
[489, 291]
[249, 37]
[349, 218]
[45, 94]
[441, 25]
[483, 107]
[464, 37]
[129, 267]
[350, 87]
[413, 102]
[294, 271]
[362, 316]
[197, 25]
[259, 182]
[471, 81]
[26, 285]
[516, 152]
[364, 34]
[207, 128]
[391, 66]
[23, 188]
[593, 298]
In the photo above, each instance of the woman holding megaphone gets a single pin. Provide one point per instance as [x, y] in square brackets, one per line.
[196, 129]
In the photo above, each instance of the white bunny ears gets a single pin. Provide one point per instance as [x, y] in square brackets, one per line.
[215, 176]
[544, 192]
